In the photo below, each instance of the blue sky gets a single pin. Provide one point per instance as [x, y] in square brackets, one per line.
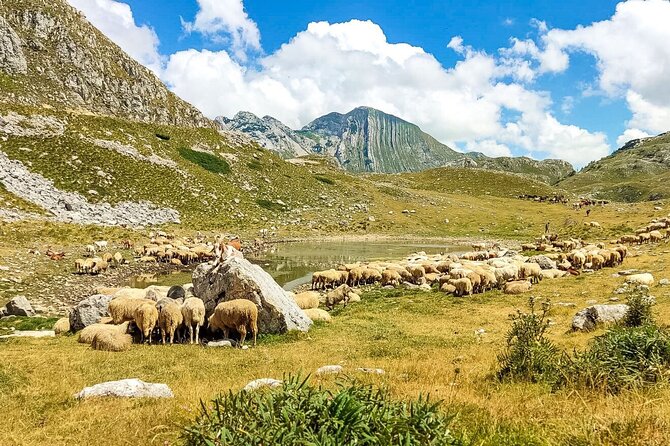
[557, 93]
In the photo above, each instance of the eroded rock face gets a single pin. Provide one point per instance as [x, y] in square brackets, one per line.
[89, 311]
[589, 318]
[12, 60]
[237, 278]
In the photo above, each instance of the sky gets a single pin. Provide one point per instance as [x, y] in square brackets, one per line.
[572, 80]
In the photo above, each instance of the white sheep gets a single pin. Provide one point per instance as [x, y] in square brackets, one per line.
[193, 312]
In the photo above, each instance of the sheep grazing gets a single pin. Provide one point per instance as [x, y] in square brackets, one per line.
[100, 266]
[146, 317]
[62, 325]
[307, 300]
[447, 288]
[530, 271]
[170, 319]
[122, 309]
[90, 250]
[462, 286]
[418, 272]
[317, 314]
[391, 277]
[101, 244]
[107, 257]
[88, 333]
[193, 312]
[118, 258]
[517, 287]
[112, 341]
[236, 314]
[340, 294]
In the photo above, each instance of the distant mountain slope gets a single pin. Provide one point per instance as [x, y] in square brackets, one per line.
[269, 133]
[549, 171]
[638, 171]
[369, 140]
[51, 55]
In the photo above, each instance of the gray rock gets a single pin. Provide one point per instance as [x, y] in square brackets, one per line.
[664, 282]
[237, 278]
[590, 317]
[126, 388]
[544, 261]
[12, 60]
[89, 311]
[329, 370]
[262, 382]
[219, 344]
[370, 371]
[19, 306]
[3, 312]
[31, 334]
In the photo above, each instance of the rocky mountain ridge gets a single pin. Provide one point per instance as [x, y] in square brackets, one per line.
[369, 140]
[51, 56]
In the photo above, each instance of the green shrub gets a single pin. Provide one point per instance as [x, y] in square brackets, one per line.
[529, 355]
[270, 205]
[205, 160]
[639, 309]
[255, 165]
[163, 137]
[623, 358]
[324, 179]
[300, 414]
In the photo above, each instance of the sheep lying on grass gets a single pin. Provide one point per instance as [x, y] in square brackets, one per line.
[517, 287]
[112, 341]
[87, 334]
[307, 300]
[236, 314]
[317, 314]
[62, 325]
[193, 312]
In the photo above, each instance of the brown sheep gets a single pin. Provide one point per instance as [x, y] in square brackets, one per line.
[340, 294]
[236, 314]
[146, 317]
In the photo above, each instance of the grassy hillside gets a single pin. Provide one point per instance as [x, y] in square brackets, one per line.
[639, 171]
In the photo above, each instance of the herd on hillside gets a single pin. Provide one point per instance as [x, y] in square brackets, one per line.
[176, 313]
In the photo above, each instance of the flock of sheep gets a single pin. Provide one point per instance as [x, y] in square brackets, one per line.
[650, 233]
[173, 315]
[473, 272]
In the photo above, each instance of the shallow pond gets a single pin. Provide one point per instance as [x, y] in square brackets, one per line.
[292, 264]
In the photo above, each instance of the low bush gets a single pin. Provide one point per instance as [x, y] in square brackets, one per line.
[163, 137]
[300, 414]
[529, 355]
[205, 160]
[270, 205]
[639, 309]
[324, 179]
[622, 358]
[255, 165]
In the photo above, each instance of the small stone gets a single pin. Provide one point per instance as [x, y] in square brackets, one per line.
[223, 343]
[371, 371]
[664, 282]
[329, 370]
[262, 382]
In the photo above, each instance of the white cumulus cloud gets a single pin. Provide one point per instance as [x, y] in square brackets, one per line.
[220, 20]
[116, 21]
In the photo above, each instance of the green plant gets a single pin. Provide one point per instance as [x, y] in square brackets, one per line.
[163, 137]
[205, 160]
[300, 414]
[270, 205]
[529, 355]
[623, 358]
[324, 179]
[255, 165]
[639, 309]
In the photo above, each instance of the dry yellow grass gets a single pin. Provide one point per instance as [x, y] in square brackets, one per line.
[425, 342]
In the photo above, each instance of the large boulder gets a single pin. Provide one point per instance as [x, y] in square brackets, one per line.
[590, 317]
[19, 306]
[237, 278]
[89, 311]
[544, 261]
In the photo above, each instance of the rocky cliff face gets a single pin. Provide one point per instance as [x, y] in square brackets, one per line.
[548, 171]
[368, 140]
[269, 133]
[50, 54]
